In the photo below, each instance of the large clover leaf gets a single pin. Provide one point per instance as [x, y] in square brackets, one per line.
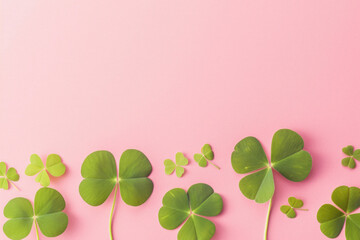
[332, 219]
[287, 157]
[100, 179]
[178, 206]
[47, 215]
[8, 176]
[54, 167]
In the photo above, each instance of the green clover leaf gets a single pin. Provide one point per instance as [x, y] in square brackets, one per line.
[332, 219]
[8, 176]
[101, 178]
[170, 166]
[349, 161]
[287, 157]
[47, 215]
[294, 203]
[178, 206]
[54, 167]
[206, 156]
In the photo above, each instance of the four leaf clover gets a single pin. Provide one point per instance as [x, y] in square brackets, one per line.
[7, 176]
[206, 156]
[170, 166]
[54, 167]
[287, 157]
[178, 206]
[294, 204]
[46, 214]
[101, 178]
[332, 219]
[349, 161]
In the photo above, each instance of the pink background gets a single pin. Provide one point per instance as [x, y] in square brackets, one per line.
[168, 76]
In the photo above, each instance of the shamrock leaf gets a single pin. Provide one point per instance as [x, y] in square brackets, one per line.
[349, 161]
[206, 156]
[294, 204]
[47, 215]
[170, 166]
[54, 167]
[178, 206]
[332, 219]
[287, 157]
[8, 176]
[101, 178]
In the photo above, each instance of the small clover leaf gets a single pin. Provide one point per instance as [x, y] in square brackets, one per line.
[287, 157]
[206, 156]
[294, 204]
[349, 161]
[170, 166]
[332, 219]
[8, 176]
[54, 167]
[47, 214]
[101, 178]
[178, 206]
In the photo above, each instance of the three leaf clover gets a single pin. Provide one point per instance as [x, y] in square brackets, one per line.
[287, 157]
[332, 219]
[101, 178]
[294, 204]
[171, 166]
[206, 156]
[178, 206]
[54, 167]
[46, 214]
[7, 176]
[349, 161]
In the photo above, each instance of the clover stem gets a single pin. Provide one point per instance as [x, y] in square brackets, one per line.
[112, 212]
[37, 230]
[302, 209]
[214, 165]
[12, 184]
[267, 220]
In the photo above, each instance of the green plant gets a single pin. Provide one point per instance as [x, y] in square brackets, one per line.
[54, 167]
[206, 156]
[46, 214]
[332, 219]
[8, 176]
[171, 166]
[287, 157]
[349, 161]
[101, 178]
[294, 203]
[178, 206]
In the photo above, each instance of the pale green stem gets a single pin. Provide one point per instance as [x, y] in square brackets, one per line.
[301, 209]
[112, 212]
[37, 230]
[12, 184]
[267, 220]
[214, 165]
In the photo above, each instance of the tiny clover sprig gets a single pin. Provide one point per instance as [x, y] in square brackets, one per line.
[294, 203]
[178, 206]
[54, 167]
[287, 157]
[171, 166]
[47, 214]
[101, 178]
[332, 219]
[206, 156]
[8, 176]
[349, 161]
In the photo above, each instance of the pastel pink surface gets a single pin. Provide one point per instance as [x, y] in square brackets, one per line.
[168, 76]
